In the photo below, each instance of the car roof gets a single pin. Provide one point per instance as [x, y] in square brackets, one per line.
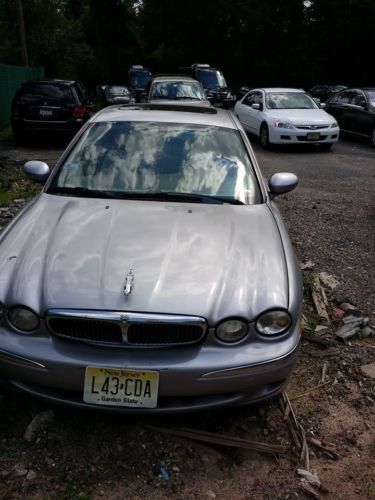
[167, 113]
[53, 80]
[173, 78]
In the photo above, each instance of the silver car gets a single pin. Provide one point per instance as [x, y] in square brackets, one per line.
[153, 273]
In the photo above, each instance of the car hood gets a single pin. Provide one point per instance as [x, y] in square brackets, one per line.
[209, 260]
[302, 116]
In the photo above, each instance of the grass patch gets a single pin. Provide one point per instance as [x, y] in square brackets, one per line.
[14, 185]
[6, 134]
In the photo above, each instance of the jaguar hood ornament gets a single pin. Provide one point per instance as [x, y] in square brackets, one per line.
[129, 283]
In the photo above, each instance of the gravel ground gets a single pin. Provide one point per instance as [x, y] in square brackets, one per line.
[331, 215]
[78, 455]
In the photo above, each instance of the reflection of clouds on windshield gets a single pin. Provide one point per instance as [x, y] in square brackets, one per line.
[160, 157]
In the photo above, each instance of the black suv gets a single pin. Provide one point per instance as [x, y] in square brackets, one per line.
[214, 84]
[57, 106]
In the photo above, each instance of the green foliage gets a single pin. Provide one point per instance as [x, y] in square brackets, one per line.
[272, 43]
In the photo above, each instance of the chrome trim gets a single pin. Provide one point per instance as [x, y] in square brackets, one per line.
[248, 369]
[19, 360]
[125, 320]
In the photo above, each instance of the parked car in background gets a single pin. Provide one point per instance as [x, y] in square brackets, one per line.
[354, 109]
[117, 94]
[286, 116]
[54, 106]
[214, 84]
[139, 77]
[153, 273]
[176, 88]
[324, 92]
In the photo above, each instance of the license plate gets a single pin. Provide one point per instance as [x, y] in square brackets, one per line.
[313, 136]
[121, 387]
[45, 112]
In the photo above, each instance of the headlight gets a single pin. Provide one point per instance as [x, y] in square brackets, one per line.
[334, 124]
[282, 124]
[273, 322]
[232, 330]
[23, 318]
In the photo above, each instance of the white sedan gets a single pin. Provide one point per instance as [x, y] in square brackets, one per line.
[286, 116]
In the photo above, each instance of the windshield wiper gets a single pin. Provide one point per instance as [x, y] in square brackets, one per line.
[188, 197]
[82, 192]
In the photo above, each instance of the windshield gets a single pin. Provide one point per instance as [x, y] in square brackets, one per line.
[139, 78]
[371, 95]
[116, 90]
[289, 100]
[211, 78]
[132, 158]
[46, 91]
[177, 90]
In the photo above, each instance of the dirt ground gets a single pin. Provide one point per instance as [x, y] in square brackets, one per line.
[93, 455]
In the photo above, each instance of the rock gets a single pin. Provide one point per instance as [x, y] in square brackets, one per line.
[368, 370]
[307, 264]
[309, 477]
[210, 494]
[4, 474]
[37, 424]
[367, 331]
[347, 331]
[31, 475]
[19, 470]
[328, 280]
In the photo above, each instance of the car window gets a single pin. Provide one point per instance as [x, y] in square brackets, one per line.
[342, 97]
[177, 90]
[114, 90]
[258, 98]
[148, 157]
[358, 98]
[371, 95]
[249, 99]
[289, 100]
[211, 78]
[48, 91]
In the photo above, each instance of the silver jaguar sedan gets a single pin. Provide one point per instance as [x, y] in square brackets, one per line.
[153, 273]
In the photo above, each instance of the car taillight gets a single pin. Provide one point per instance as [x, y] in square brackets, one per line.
[79, 111]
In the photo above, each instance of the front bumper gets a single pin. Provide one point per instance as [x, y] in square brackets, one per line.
[191, 378]
[303, 136]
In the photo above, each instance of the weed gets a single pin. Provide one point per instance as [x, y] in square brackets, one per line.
[308, 283]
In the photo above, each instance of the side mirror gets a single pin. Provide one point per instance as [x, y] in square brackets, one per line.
[323, 105]
[282, 182]
[256, 106]
[37, 171]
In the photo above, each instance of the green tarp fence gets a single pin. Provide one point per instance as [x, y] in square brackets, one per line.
[11, 78]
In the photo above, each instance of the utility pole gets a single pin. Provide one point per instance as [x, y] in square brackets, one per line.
[21, 27]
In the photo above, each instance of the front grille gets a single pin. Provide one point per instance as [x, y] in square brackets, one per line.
[311, 127]
[132, 329]
[87, 329]
[163, 334]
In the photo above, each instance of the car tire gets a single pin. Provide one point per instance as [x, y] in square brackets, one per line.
[326, 147]
[264, 137]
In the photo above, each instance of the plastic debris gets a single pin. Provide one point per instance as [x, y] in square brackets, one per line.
[164, 473]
